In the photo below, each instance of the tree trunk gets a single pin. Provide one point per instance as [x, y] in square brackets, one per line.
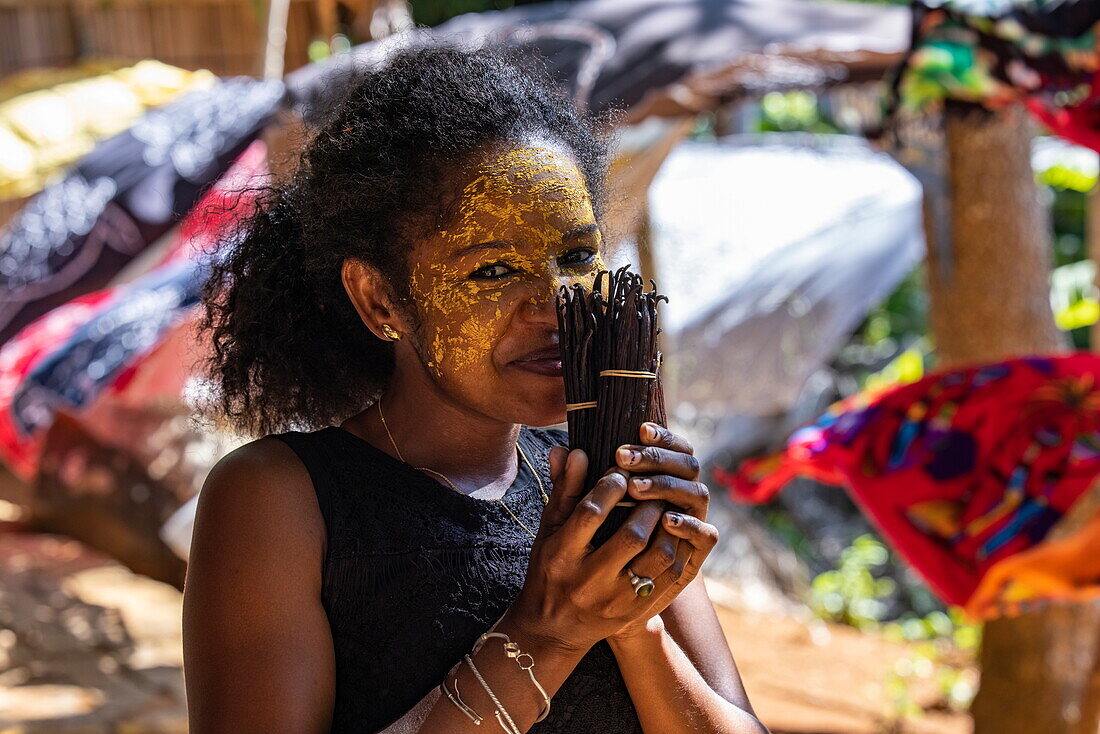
[989, 301]
[1041, 673]
[990, 298]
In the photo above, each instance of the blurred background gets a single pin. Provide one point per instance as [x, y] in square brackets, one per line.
[877, 225]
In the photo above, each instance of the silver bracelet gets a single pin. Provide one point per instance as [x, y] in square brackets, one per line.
[456, 699]
[500, 707]
[512, 650]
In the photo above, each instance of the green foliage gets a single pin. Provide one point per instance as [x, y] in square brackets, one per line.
[793, 111]
[1066, 178]
[434, 12]
[781, 525]
[851, 594]
[1066, 188]
[901, 317]
[897, 325]
[946, 646]
[319, 50]
[1073, 295]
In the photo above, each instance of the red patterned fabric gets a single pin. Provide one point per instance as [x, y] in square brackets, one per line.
[132, 343]
[1078, 124]
[958, 470]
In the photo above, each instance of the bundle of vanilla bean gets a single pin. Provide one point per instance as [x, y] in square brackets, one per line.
[611, 367]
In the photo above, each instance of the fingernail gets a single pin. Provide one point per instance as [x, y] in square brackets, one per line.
[617, 472]
[651, 431]
[642, 484]
[629, 456]
[674, 518]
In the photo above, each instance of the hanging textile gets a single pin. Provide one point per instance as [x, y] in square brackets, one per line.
[49, 118]
[130, 190]
[998, 52]
[131, 343]
[959, 470]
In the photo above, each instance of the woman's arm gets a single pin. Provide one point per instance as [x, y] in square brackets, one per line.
[512, 687]
[677, 664]
[256, 642]
[669, 693]
[692, 622]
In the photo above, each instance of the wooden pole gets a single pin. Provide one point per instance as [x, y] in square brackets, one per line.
[274, 51]
[991, 299]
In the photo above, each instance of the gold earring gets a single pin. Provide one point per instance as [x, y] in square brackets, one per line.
[391, 332]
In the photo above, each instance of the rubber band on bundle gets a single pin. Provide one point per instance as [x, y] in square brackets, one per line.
[579, 406]
[629, 373]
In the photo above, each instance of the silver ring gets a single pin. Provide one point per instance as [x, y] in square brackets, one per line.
[643, 585]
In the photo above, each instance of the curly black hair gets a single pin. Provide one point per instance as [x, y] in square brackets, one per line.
[289, 350]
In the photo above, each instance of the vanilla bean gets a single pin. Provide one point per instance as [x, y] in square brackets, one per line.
[613, 326]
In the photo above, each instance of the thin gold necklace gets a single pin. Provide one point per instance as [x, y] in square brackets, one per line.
[522, 453]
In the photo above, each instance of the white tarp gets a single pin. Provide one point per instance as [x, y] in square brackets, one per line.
[772, 249]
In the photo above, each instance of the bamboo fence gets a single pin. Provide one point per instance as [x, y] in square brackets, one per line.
[224, 36]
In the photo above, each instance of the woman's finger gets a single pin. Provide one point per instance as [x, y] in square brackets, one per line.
[653, 434]
[567, 470]
[688, 561]
[590, 512]
[691, 496]
[631, 538]
[661, 553]
[556, 458]
[701, 538]
[657, 460]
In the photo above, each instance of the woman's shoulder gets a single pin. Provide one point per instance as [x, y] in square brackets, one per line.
[261, 488]
[262, 467]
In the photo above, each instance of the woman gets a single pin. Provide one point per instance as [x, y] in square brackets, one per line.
[340, 578]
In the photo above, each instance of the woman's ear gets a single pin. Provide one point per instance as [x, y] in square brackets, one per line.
[367, 290]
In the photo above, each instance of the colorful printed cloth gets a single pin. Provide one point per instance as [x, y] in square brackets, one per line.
[79, 233]
[959, 470]
[998, 52]
[132, 343]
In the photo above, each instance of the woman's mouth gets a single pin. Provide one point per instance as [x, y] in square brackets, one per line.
[550, 367]
[545, 361]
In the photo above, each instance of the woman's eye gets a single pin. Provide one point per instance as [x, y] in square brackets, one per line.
[489, 272]
[580, 256]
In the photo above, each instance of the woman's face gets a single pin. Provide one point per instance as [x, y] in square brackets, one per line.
[484, 286]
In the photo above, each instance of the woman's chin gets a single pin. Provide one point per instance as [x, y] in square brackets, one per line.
[541, 397]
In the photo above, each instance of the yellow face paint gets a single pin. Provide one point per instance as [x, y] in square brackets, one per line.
[524, 227]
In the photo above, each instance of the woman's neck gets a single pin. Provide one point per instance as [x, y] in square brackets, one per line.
[430, 430]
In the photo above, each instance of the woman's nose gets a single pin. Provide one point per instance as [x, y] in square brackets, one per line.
[542, 305]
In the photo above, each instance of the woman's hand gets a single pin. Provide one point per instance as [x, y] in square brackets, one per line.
[575, 595]
[671, 474]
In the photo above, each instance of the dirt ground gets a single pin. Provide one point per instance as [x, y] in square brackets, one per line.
[802, 678]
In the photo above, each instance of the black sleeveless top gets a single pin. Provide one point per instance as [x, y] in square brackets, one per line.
[414, 571]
